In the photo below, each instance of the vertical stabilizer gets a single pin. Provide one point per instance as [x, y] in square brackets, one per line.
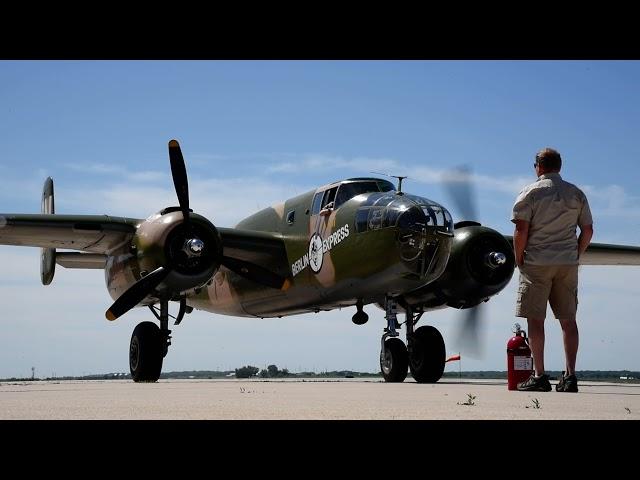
[47, 255]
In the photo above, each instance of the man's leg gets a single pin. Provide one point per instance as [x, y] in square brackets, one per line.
[533, 293]
[570, 338]
[536, 342]
[564, 303]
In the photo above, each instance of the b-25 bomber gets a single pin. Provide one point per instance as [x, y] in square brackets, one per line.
[350, 243]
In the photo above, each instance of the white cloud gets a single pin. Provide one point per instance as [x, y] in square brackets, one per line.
[509, 184]
[612, 201]
[605, 201]
[389, 166]
[224, 201]
[103, 169]
[318, 162]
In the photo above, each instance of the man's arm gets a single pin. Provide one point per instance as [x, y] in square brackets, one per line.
[586, 233]
[520, 238]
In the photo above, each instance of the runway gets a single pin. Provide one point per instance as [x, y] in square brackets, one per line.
[339, 399]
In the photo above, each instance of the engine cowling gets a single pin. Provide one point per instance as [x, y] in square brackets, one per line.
[480, 265]
[193, 252]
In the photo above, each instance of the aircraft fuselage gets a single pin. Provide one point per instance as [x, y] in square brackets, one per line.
[374, 244]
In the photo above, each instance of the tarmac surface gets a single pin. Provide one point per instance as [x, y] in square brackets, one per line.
[311, 399]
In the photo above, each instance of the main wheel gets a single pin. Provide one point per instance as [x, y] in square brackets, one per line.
[394, 361]
[427, 355]
[145, 353]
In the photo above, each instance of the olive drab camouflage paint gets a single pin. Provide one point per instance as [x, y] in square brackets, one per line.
[331, 260]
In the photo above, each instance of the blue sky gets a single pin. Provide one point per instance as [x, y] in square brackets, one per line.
[256, 132]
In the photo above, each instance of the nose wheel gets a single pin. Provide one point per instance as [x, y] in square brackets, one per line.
[427, 357]
[394, 360]
[425, 354]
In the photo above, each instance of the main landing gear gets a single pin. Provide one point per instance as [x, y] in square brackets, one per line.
[425, 354]
[150, 344]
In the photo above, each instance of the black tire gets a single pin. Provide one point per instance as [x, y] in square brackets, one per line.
[395, 362]
[427, 355]
[145, 353]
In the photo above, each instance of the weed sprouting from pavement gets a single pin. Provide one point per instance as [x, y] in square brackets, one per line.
[536, 404]
[628, 410]
[470, 400]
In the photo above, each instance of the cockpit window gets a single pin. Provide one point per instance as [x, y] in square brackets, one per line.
[329, 198]
[334, 197]
[386, 186]
[317, 203]
[349, 190]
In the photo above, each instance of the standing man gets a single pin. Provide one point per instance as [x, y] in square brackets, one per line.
[546, 214]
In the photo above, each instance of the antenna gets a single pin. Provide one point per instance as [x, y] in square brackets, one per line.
[400, 178]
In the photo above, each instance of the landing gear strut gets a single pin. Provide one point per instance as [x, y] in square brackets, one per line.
[425, 354]
[150, 344]
[394, 360]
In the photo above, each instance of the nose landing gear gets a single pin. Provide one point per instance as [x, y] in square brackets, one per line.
[424, 356]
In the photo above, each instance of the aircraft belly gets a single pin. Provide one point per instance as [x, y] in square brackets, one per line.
[219, 296]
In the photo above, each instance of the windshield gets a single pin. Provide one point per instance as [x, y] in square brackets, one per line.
[349, 190]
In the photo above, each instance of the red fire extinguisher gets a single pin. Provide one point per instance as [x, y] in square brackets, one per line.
[519, 360]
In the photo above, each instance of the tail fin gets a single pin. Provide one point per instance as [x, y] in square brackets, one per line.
[47, 255]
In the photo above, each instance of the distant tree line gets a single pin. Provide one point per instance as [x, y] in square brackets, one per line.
[271, 371]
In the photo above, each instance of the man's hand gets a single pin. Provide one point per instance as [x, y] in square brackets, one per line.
[520, 238]
[586, 233]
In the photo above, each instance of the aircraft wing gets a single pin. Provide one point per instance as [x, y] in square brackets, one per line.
[86, 233]
[266, 249]
[606, 254]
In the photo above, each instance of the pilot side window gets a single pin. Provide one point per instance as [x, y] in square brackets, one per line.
[291, 217]
[317, 203]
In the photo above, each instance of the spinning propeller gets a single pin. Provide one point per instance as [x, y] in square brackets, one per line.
[459, 186]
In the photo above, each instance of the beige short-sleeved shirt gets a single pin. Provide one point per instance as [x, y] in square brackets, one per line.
[553, 208]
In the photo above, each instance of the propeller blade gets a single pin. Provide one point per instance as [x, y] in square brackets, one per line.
[469, 336]
[136, 293]
[458, 184]
[256, 273]
[180, 180]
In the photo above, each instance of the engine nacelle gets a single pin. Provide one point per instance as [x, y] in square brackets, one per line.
[480, 265]
[193, 253]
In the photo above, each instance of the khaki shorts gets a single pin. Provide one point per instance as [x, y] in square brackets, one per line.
[557, 284]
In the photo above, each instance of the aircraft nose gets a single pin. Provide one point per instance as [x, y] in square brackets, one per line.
[411, 225]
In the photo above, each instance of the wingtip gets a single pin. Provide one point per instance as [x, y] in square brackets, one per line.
[110, 316]
[174, 144]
